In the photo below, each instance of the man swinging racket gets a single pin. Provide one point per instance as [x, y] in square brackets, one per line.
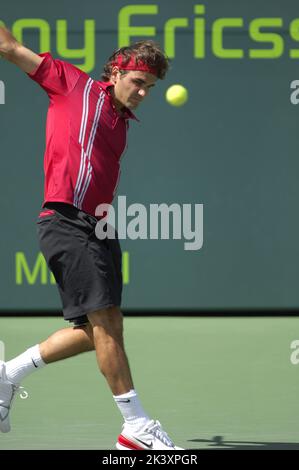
[86, 131]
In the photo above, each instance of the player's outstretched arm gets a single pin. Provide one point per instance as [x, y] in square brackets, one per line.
[13, 51]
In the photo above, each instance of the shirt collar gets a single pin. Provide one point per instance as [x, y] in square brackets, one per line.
[126, 112]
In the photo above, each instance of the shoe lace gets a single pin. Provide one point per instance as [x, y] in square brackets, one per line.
[155, 428]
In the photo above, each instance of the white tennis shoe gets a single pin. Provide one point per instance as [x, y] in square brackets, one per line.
[7, 394]
[150, 437]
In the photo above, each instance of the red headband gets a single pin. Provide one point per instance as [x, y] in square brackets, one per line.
[132, 65]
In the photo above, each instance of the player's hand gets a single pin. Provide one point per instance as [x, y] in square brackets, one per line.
[7, 41]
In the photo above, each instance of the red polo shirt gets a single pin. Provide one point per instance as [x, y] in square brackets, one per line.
[85, 136]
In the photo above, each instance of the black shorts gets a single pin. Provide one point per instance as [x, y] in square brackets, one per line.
[87, 270]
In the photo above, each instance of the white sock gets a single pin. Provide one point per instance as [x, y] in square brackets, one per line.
[24, 364]
[131, 409]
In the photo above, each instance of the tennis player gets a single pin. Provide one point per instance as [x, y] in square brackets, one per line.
[86, 131]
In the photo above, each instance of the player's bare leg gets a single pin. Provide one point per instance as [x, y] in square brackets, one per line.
[139, 431]
[66, 343]
[107, 325]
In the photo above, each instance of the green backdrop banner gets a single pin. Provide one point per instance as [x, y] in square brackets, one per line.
[232, 150]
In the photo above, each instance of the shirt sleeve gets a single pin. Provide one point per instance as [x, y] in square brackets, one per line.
[55, 76]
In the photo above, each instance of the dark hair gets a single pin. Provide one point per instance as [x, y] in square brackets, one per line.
[146, 51]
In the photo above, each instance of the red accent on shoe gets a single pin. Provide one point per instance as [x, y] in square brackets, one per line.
[126, 443]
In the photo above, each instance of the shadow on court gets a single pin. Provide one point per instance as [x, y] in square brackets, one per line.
[218, 442]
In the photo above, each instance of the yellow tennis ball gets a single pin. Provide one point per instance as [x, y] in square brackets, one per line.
[176, 95]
